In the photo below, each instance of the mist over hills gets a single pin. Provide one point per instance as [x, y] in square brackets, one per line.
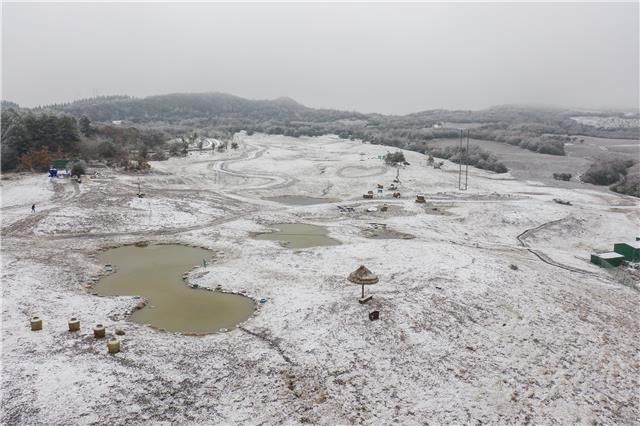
[176, 106]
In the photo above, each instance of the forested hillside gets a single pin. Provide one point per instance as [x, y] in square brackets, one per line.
[180, 106]
[113, 127]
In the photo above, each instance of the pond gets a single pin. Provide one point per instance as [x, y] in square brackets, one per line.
[299, 200]
[155, 273]
[298, 235]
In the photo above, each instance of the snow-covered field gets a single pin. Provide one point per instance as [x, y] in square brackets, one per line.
[474, 326]
[608, 122]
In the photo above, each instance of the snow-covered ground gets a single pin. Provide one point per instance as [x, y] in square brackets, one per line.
[608, 122]
[474, 325]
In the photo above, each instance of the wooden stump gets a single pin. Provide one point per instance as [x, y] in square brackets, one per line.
[74, 324]
[36, 324]
[99, 331]
[113, 345]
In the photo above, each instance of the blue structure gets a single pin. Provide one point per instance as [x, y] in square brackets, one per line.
[53, 172]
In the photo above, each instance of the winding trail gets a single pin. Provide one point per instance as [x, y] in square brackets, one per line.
[542, 256]
[278, 181]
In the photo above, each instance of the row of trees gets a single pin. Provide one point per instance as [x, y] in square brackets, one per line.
[31, 140]
[607, 171]
[394, 158]
[629, 184]
[476, 157]
[524, 138]
[620, 174]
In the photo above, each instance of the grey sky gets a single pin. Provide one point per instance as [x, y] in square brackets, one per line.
[385, 58]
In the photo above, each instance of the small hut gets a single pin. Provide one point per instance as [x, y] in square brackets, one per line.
[363, 276]
[607, 260]
[630, 250]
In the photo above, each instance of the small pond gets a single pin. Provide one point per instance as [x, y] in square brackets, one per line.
[299, 200]
[155, 273]
[298, 235]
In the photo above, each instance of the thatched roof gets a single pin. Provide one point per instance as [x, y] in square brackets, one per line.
[363, 276]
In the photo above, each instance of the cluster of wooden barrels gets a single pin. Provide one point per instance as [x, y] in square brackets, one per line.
[99, 332]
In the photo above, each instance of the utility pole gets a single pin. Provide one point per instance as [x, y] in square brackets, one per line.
[464, 158]
[460, 160]
[466, 163]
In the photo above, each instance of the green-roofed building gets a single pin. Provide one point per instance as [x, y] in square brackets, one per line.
[630, 251]
[607, 260]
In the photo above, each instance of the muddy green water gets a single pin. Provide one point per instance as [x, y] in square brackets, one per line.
[298, 235]
[155, 273]
[299, 200]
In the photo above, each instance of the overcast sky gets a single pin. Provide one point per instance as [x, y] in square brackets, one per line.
[385, 58]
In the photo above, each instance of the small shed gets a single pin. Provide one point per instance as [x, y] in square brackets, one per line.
[607, 260]
[630, 251]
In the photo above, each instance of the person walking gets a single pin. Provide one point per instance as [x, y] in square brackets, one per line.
[33, 208]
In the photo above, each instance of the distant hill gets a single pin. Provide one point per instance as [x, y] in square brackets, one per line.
[525, 126]
[179, 106]
[222, 108]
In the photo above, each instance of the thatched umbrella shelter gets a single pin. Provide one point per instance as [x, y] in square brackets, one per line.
[363, 276]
